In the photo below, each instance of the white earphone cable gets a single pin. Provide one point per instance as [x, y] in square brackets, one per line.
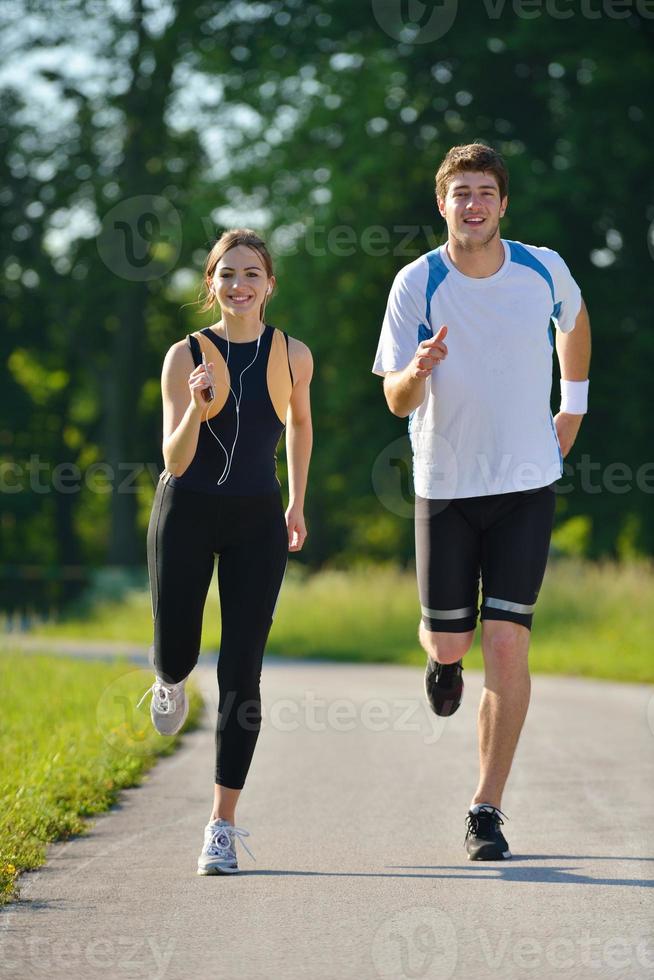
[230, 456]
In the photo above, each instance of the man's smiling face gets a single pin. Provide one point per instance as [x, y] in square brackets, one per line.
[472, 209]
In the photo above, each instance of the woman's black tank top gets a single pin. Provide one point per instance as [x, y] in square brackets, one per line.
[264, 384]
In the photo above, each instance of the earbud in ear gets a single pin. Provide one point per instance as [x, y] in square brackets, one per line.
[269, 290]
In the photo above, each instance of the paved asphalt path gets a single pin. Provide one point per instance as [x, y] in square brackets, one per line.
[355, 803]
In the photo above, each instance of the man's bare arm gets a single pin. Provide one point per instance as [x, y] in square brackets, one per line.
[573, 350]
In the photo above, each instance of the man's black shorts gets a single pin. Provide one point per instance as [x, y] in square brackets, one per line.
[503, 537]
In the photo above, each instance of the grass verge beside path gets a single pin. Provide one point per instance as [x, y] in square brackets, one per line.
[592, 619]
[71, 739]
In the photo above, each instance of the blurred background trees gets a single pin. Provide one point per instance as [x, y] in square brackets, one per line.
[134, 132]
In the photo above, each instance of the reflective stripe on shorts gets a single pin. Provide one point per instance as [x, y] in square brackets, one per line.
[506, 606]
[448, 613]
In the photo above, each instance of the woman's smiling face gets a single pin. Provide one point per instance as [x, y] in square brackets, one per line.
[241, 281]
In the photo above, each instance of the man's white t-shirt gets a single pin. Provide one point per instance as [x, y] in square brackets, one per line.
[485, 425]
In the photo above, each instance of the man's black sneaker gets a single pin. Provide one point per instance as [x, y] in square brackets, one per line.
[444, 686]
[484, 840]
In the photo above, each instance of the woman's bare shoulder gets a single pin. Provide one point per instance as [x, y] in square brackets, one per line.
[301, 359]
[178, 359]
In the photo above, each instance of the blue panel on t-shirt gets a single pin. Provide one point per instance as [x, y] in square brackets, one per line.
[523, 256]
[437, 273]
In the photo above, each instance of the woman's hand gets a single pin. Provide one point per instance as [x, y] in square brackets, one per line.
[297, 530]
[199, 380]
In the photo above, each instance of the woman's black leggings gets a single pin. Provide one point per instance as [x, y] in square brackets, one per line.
[248, 534]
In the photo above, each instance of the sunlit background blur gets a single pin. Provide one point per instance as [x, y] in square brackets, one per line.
[134, 132]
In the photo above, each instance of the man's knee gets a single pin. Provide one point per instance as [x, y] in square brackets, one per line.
[446, 648]
[505, 648]
[504, 643]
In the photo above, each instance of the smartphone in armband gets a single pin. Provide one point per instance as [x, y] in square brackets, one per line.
[207, 393]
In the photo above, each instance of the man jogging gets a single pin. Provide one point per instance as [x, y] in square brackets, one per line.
[466, 352]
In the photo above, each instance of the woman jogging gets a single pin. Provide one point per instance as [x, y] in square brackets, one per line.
[228, 391]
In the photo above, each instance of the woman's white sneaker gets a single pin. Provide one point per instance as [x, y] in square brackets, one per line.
[169, 706]
[218, 856]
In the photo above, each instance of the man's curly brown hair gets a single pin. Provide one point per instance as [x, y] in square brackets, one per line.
[477, 157]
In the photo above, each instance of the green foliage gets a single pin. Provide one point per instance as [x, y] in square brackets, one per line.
[323, 131]
[629, 543]
[573, 536]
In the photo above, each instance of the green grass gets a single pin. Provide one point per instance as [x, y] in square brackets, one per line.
[70, 741]
[591, 619]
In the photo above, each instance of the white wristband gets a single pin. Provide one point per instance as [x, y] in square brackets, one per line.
[574, 397]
